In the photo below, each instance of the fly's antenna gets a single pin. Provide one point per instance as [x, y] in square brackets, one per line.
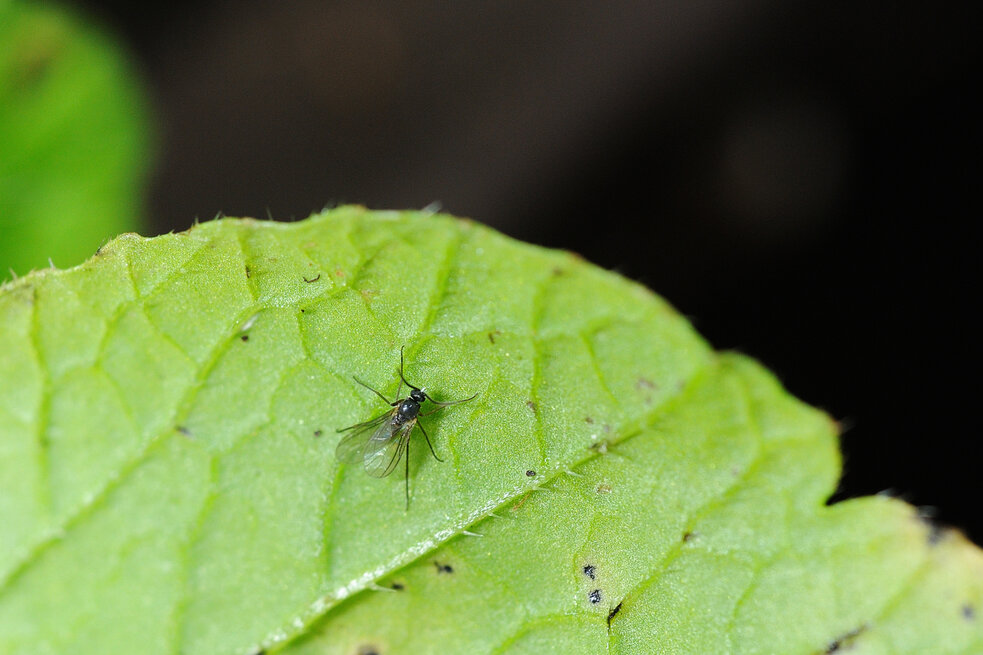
[401, 376]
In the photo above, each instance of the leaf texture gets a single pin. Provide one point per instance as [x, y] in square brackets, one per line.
[168, 417]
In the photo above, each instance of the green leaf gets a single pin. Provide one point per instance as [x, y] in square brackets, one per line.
[168, 417]
[73, 138]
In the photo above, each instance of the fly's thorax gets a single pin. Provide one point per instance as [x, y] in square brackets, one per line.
[408, 409]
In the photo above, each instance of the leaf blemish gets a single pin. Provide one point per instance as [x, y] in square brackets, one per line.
[936, 533]
[845, 640]
[594, 596]
[645, 383]
[491, 335]
[532, 406]
[318, 433]
[614, 612]
[185, 431]
[688, 535]
[968, 612]
[530, 473]
[245, 337]
[603, 488]
[398, 587]
[588, 419]
[368, 650]
[590, 571]
[443, 568]
[249, 272]
[312, 279]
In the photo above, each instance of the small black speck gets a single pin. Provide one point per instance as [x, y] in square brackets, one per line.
[590, 571]
[614, 612]
[688, 535]
[318, 433]
[398, 587]
[531, 405]
[530, 473]
[594, 596]
[302, 310]
[249, 272]
[183, 430]
[968, 612]
[245, 337]
[847, 639]
[443, 568]
[312, 279]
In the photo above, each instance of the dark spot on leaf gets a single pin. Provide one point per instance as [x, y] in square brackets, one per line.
[398, 587]
[245, 337]
[936, 533]
[302, 310]
[594, 596]
[968, 612]
[844, 641]
[312, 279]
[613, 613]
[531, 405]
[644, 383]
[558, 271]
[368, 650]
[590, 571]
[443, 568]
[98, 251]
[491, 335]
[249, 272]
[339, 273]
[588, 419]
[318, 433]
[184, 430]
[688, 535]
[530, 473]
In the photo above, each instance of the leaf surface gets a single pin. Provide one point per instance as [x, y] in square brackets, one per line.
[168, 417]
[73, 138]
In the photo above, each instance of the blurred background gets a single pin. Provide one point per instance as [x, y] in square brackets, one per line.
[799, 179]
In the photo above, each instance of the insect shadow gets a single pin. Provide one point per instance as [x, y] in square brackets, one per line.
[381, 442]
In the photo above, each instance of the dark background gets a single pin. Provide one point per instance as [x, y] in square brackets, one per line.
[798, 178]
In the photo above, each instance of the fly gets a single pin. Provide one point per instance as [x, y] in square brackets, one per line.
[380, 443]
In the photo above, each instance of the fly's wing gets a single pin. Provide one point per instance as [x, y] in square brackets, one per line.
[351, 448]
[385, 448]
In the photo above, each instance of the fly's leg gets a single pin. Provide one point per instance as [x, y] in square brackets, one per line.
[406, 473]
[427, 437]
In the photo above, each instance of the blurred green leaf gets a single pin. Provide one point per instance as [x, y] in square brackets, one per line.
[73, 138]
[168, 416]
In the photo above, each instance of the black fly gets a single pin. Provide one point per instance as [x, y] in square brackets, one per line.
[381, 442]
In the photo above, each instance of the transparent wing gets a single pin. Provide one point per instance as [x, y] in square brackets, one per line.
[351, 448]
[383, 454]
